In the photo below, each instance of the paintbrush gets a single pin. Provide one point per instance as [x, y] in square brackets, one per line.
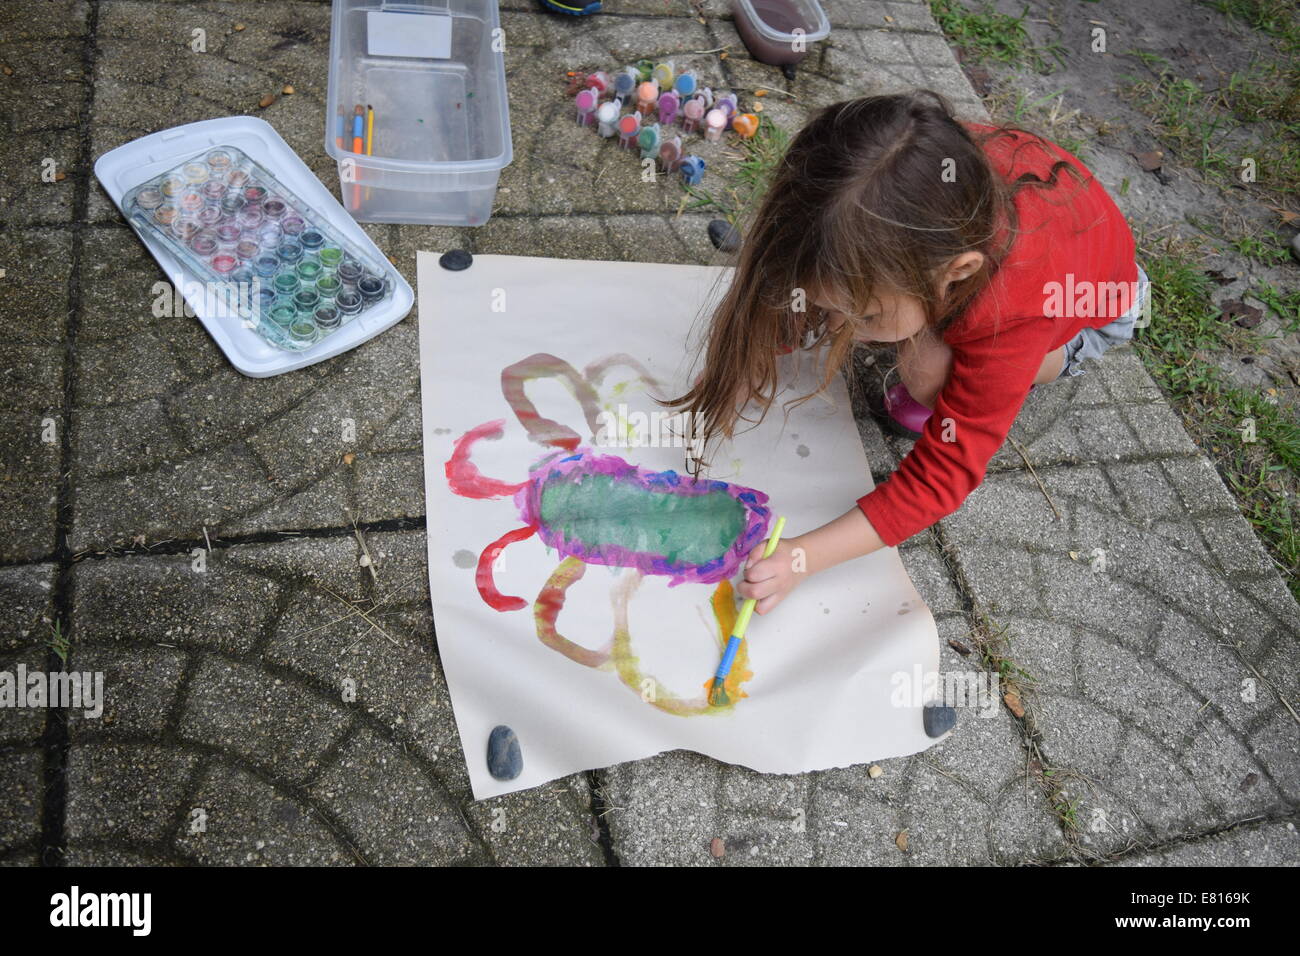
[717, 693]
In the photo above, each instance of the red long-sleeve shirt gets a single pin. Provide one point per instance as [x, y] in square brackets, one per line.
[1000, 339]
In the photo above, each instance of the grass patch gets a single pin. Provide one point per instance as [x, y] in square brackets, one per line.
[760, 156]
[1279, 19]
[986, 34]
[1254, 442]
[58, 642]
[1261, 105]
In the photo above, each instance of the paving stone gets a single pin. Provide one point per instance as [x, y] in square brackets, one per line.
[130, 793]
[20, 811]
[277, 725]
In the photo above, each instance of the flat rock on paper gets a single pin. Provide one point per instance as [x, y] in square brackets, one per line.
[595, 664]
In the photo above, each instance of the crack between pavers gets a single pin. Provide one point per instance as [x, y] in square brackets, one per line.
[600, 809]
[54, 739]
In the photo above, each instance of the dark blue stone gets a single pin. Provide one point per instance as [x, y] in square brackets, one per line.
[939, 719]
[504, 759]
[456, 260]
[723, 235]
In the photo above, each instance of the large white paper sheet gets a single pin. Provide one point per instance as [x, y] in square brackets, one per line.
[840, 670]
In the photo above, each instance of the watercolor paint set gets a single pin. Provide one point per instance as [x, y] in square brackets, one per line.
[264, 255]
[296, 280]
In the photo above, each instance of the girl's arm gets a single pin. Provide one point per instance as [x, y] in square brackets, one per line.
[771, 579]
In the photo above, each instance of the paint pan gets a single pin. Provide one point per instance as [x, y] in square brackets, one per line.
[227, 219]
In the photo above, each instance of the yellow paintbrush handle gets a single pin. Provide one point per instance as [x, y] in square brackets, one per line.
[747, 609]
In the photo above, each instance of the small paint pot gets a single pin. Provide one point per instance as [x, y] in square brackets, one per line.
[308, 270]
[243, 275]
[195, 173]
[266, 266]
[228, 235]
[165, 214]
[223, 263]
[728, 104]
[606, 119]
[185, 229]
[250, 217]
[282, 313]
[714, 123]
[684, 84]
[213, 190]
[171, 186]
[349, 272]
[253, 195]
[692, 113]
[585, 103]
[628, 128]
[218, 161]
[331, 256]
[663, 74]
[191, 201]
[647, 95]
[327, 318]
[306, 301]
[293, 225]
[247, 249]
[312, 239]
[289, 250]
[599, 81]
[303, 331]
[371, 288]
[328, 286]
[265, 299]
[670, 154]
[149, 199]
[204, 244]
[274, 208]
[210, 215]
[692, 170]
[232, 203]
[649, 139]
[668, 104]
[286, 283]
[745, 125]
[236, 178]
[348, 302]
[270, 235]
[624, 84]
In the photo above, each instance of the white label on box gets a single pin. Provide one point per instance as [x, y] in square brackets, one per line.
[422, 35]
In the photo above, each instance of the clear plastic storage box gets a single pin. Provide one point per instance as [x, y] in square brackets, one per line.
[432, 73]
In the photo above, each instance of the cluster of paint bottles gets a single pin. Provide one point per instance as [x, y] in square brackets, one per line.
[233, 223]
[662, 102]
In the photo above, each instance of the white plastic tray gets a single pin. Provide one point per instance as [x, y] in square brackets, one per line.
[127, 166]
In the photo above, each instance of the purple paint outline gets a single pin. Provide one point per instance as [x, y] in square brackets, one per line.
[584, 461]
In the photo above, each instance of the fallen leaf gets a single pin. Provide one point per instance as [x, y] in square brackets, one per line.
[900, 841]
[959, 647]
[1150, 161]
[266, 101]
[349, 458]
[9, 71]
[288, 90]
[1287, 215]
[1241, 314]
[60, 176]
[760, 92]
[717, 848]
[1012, 700]
[239, 28]
[1216, 275]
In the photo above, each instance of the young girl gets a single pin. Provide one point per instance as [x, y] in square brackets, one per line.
[991, 257]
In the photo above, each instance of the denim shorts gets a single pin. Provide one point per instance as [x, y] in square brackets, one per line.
[1091, 343]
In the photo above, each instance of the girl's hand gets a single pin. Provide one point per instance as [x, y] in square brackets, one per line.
[769, 580]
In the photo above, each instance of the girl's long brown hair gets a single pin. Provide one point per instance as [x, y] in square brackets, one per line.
[858, 203]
